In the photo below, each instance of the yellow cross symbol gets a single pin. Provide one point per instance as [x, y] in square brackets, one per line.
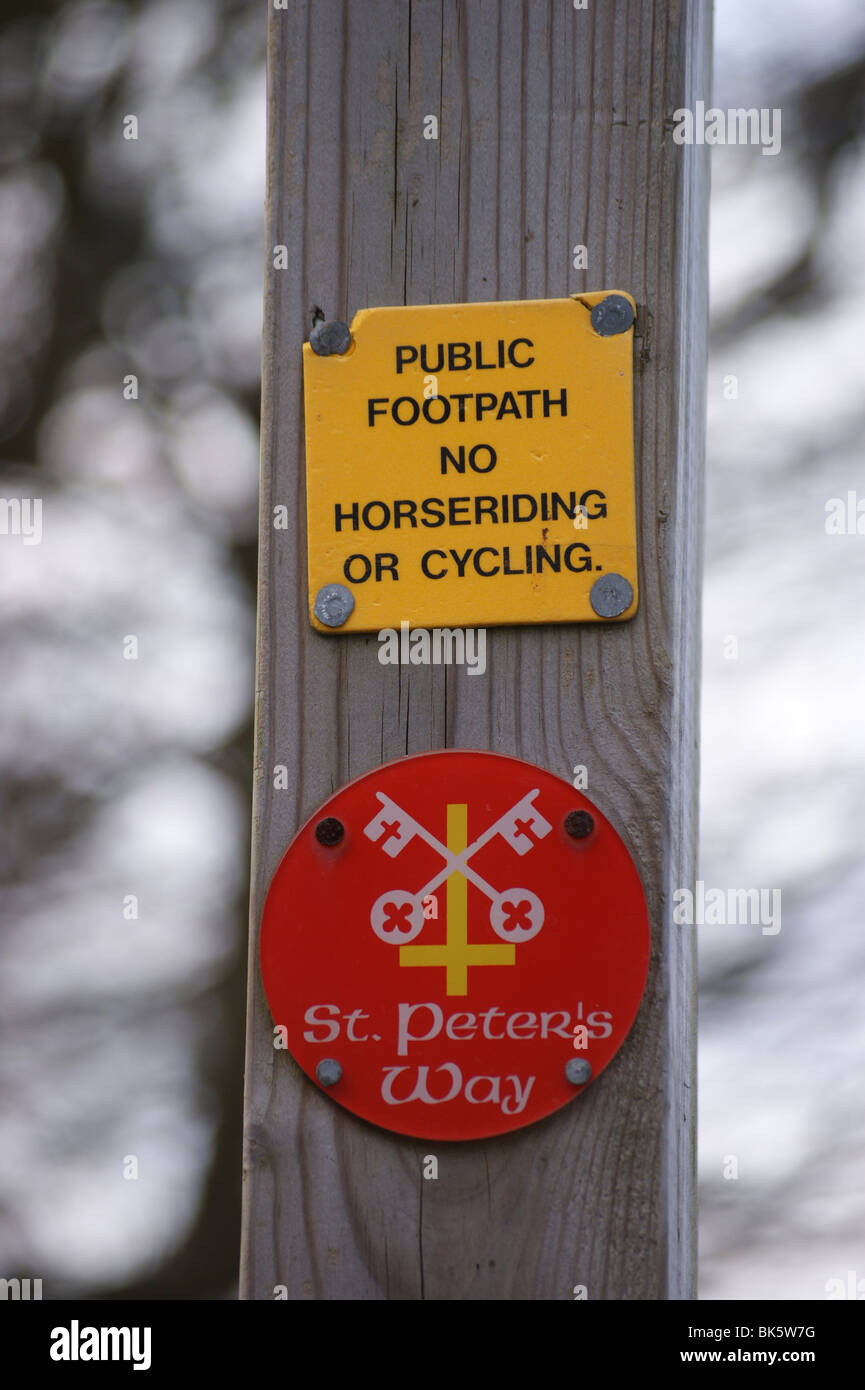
[456, 955]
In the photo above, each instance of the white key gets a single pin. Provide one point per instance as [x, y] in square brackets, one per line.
[397, 917]
[392, 829]
[522, 826]
[517, 914]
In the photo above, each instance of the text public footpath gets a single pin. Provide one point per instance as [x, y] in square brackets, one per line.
[481, 511]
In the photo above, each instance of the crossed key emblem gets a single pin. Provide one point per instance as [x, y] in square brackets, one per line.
[516, 914]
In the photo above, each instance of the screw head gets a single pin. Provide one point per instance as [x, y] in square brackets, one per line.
[329, 831]
[611, 595]
[334, 604]
[579, 824]
[614, 314]
[330, 338]
[328, 1072]
[578, 1071]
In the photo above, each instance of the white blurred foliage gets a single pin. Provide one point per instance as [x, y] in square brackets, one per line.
[753, 43]
[782, 1045]
[168, 831]
[108, 1015]
[89, 43]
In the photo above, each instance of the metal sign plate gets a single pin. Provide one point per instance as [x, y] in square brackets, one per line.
[472, 464]
[416, 984]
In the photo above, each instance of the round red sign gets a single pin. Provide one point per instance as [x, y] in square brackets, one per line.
[454, 945]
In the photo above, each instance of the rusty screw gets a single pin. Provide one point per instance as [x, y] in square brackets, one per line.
[612, 315]
[334, 605]
[579, 824]
[610, 595]
[329, 832]
[578, 1071]
[330, 339]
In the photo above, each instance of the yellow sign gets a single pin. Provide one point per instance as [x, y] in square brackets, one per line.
[472, 464]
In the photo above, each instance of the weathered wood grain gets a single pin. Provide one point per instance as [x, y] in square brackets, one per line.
[555, 129]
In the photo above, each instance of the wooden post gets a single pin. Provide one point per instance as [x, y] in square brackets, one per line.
[554, 131]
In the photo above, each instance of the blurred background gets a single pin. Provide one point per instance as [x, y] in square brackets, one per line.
[131, 272]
